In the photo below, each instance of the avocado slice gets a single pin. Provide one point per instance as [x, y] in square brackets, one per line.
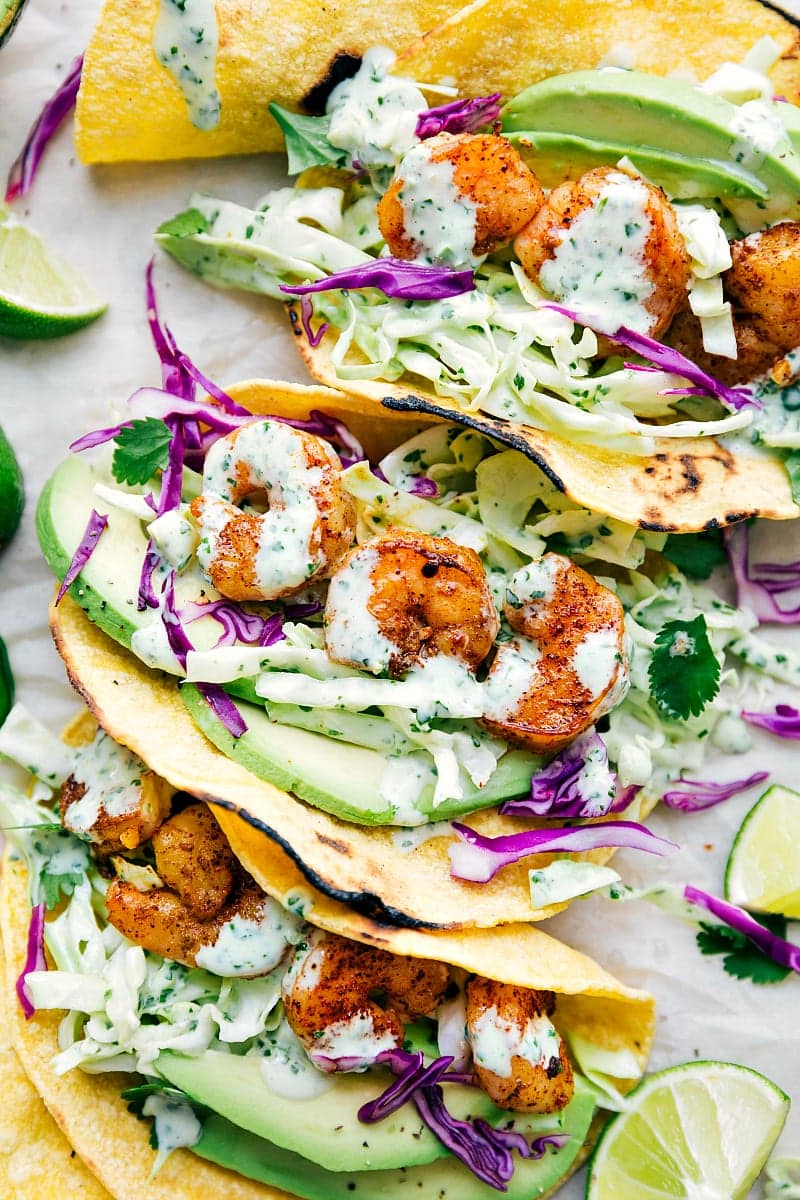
[299, 754]
[632, 111]
[445, 1179]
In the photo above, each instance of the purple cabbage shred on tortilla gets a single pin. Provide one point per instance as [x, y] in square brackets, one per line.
[34, 958]
[224, 708]
[695, 795]
[478, 858]
[238, 625]
[784, 722]
[756, 587]
[394, 277]
[147, 597]
[570, 785]
[86, 548]
[24, 168]
[787, 954]
[665, 358]
[306, 313]
[459, 116]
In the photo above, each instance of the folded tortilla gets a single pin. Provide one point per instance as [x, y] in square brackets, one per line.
[130, 107]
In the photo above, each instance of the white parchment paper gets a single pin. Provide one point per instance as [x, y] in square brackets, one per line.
[103, 220]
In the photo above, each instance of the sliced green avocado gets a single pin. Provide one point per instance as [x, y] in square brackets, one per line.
[445, 1179]
[337, 777]
[632, 111]
[326, 1128]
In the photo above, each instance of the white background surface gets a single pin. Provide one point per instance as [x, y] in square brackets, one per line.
[103, 219]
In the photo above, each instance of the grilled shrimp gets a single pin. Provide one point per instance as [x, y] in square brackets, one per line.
[347, 1002]
[111, 799]
[307, 529]
[608, 245]
[763, 285]
[487, 194]
[518, 1057]
[194, 859]
[405, 597]
[568, 665]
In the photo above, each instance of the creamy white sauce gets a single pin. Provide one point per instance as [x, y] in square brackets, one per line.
[174, 536]
[597, 660]
[436, 216]
[251, 947]
[112, 777]
[289, 551]
[352, 633]
[185, 40]
[495, 1042]
[304, 969]
[25, 740]
[451, 1030]
[353, 1039]
[403, 780]
[286, 1069]
[514, 673]
[176, 1124]
[758, 131]
[374, 114]
[535, 582]
[151, 644]
[566, 879]
[406, 840]
[598, 267]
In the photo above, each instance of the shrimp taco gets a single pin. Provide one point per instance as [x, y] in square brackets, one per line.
[413, 664]
[602, 270]
[150, 981]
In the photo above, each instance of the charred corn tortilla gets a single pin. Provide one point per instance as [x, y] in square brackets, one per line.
[129, 107]
[688, 484]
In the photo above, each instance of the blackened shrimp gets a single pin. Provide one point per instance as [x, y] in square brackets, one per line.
[567, 666]
[456, 197]
[608, 245]
[306, 530]
[111, 799]
[193, 858]
[406, 597]
[348, 1002]
[519, 1059]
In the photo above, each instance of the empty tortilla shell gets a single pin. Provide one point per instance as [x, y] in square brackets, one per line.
[689, 484]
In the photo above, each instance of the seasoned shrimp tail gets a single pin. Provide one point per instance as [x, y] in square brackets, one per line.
[487, 195]
[519, 1059]
[307, 529]
[568, 665]
[348, 1002]
[406, 597]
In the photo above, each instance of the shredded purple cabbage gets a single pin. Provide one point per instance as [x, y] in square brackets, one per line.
[478, 858]
[564, 788]
[784, 722]
[425, 487]
[306, 313]
[780, 951]
[24, 168]
[333, 429]
[238, 625]
[694, 795]
[459, 116]
[34, 958]
[486, 1155]
[624, 797]
[666, 358]
[147, 597]
[756, 590]
[410, 1074]
[224, 708]
[86, 548]
[177, 636]
[394, 277]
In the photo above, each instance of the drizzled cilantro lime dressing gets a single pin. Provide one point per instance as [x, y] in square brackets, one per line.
[437, 217]
[112, 777]
[175, 1122]
[247, 946]
[352, 633]
[597, 660]
[185, 40]
[373, 116]
[598, 264]
[496, 1041]
[286, 1068]
[513, 675]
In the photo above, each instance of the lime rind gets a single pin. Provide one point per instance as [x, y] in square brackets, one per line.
[763, 872]
[699, 1131]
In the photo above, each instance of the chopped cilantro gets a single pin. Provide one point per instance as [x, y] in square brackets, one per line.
[684, 672]
[741, 958]
[62, 860]
[696, 554]
[185, 224]
[306, 140]
[142, 447]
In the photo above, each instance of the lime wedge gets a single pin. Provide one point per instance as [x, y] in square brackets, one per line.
[12, 495]
[763, 871]
[10, 12]
[40, 294]
[701, 1131]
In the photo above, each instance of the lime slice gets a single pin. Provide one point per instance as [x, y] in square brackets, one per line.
[701, 1131]
[763, 871]
[40, 294]
[12, 496]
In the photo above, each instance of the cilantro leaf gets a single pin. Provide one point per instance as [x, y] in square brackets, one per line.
[142, 447]
[696, 554]
[683, 672]
[60, 861]
[741, 958]
[306, 140]
[792, 464]
[186, 224]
